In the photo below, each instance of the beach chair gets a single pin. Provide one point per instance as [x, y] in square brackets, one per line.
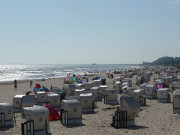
[119, 78]
[72, 97]
[102, 89]
[79, 91]
[129, 75]
[131, 105]
[41, 97]
[56, 90]
[88, 102]
[117, 86]
[72, 86]
[28, 101]
[103, 81]
[142, 86]
[111, 96]
[163, 95]
[168, 80]
[176, 101]
[17, 103]
[71, 113]
[6, 115]
[94, 91]
[54, 100]
[174, 85]
[37, 121]
[128, 81]
[20, 101]
[69, 91]
[96, 83]
[150, 91]
[79, 86]
[87, 85]
[128, 90]
[139, 96]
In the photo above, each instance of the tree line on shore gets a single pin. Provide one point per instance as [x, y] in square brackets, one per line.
[165, 61]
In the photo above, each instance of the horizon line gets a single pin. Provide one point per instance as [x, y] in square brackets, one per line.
[68, 64]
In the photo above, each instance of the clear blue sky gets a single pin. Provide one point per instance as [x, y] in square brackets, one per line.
[88, 31]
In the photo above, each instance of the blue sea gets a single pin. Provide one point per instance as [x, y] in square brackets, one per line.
[27, 72]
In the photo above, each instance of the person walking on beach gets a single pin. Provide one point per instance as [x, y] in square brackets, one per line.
[15, 84]
[31, 82]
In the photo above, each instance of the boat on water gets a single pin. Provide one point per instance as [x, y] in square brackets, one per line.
[94, 63]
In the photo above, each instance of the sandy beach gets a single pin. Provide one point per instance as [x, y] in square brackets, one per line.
[154, 119]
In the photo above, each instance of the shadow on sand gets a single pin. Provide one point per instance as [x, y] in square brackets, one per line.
[72, 126]
[5, 128]
[135, 127]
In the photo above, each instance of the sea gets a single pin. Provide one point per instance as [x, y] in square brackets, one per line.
[27, 72]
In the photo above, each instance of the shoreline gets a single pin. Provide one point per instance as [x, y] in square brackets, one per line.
[40, 79]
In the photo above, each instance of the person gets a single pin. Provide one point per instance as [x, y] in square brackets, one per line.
[111, 76]
[31, 82]
[63, 95]
[28, 93]
[15, 84]
[142, 80]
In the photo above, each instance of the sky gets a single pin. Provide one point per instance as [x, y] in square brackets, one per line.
[88, 31]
